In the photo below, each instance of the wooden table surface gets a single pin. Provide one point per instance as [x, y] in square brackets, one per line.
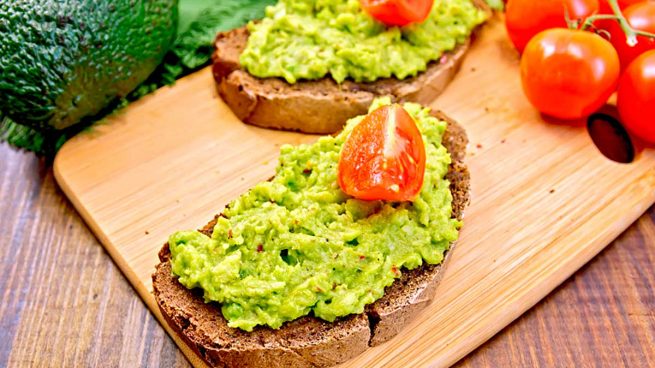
[65, 304]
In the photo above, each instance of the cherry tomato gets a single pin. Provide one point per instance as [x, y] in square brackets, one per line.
[526, 18]
[641, 17]
[569, 74]
[604, 7]
[398, 12]
[636, 97]
[384, 157]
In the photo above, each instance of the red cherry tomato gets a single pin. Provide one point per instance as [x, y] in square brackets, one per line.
[384, 157]
[641, 17]
[398, 12]
[569, 74]
[605, 6]
[525, 18]
[636, 97]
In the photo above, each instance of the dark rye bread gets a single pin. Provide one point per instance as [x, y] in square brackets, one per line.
[273, 103]
[308, 341]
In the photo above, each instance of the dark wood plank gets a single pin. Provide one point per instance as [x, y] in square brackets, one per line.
[64, 302]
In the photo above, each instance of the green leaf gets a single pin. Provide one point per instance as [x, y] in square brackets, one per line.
[41, 142]
[194, 46]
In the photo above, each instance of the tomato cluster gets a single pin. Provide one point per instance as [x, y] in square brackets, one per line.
[575, 55]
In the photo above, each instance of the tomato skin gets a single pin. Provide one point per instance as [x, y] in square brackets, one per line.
[525, 18]
[604, 6]
[383, 158]
[398, 12]
[569, 74]
[641, 17]
[636, 97]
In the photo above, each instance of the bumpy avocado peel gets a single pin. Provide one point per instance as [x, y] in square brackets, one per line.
[63, 60]
[199, 21]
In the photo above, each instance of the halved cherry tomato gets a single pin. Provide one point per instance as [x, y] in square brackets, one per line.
[641, 17]
[398, 12]
[636, 97]
[384, 157]
[569, 74]
[525, 18]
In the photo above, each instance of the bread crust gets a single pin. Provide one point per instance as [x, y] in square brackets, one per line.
[309, 341]
[273, 103]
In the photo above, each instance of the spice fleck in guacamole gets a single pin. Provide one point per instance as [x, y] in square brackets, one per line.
[297, 244]
[311, 39]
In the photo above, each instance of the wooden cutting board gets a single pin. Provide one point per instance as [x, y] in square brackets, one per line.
[545, 201]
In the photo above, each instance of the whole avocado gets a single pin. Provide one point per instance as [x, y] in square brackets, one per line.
[63, 60]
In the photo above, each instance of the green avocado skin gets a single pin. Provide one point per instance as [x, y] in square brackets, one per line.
[63, 60]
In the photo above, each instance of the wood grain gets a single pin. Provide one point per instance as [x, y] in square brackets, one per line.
[63, 301]
[544, 200]
[584, 322]
[602, 316]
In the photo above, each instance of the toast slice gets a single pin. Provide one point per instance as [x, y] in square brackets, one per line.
[309, 341]
[274, 103]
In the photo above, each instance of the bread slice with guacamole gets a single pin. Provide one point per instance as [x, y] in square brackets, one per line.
[295, 273]
[307, 57]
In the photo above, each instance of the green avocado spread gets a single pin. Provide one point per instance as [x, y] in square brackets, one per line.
[311, 39]
[297, 244]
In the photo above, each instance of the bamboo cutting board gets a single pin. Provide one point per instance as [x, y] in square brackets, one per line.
[545, 201]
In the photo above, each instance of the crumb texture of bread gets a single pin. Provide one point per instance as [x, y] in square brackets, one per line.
[309, 341]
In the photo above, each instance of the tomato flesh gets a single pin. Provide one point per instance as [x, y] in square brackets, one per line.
[525, 18]
[641, 17]
[398, 12]
[636, 97]
[383, 157]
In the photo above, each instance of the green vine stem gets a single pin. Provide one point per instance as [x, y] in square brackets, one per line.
[630, 33]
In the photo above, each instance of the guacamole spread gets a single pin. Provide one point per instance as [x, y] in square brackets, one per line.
[311, 39]
[297, 244]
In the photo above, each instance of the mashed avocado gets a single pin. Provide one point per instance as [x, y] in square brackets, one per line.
[310, 39]
[297, 244]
